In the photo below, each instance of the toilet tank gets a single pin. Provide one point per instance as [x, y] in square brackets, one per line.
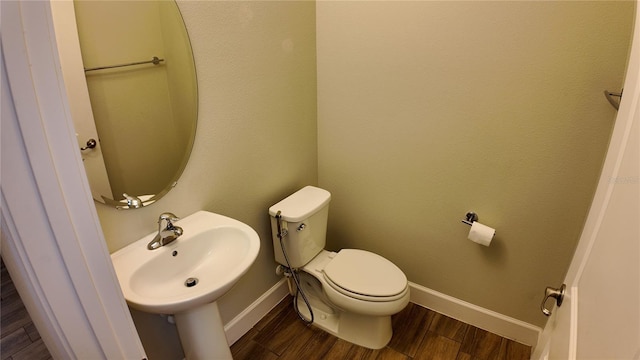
[304, 217]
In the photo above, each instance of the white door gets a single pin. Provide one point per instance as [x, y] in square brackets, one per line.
[66, 32]
[600, 315]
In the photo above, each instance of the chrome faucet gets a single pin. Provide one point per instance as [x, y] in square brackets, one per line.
[166, 234]
[133, 202]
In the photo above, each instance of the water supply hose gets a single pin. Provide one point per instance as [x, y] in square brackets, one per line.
[294, 274]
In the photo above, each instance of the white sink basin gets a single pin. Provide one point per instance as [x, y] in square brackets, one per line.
[214, 249]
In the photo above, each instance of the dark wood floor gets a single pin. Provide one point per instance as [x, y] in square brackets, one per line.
[19, 339]
[418, 333]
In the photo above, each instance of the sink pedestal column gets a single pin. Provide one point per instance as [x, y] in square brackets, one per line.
[202, 333]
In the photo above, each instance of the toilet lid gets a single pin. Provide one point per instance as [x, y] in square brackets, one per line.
[365, 273]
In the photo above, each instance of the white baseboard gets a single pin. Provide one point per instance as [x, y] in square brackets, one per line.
[244, 321]
[477, 316]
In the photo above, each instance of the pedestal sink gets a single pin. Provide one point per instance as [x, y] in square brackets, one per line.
[187, 276]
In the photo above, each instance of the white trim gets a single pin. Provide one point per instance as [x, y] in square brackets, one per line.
[573, 326]
[243, 322]
[477, 316]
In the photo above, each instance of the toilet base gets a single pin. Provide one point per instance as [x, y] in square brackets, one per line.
[373, 332]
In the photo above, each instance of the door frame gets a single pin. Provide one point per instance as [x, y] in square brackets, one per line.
[52, 242]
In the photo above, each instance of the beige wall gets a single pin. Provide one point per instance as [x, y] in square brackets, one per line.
[429, 109]
[256, 135]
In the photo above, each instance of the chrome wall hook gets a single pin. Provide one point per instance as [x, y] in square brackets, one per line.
[610, 97]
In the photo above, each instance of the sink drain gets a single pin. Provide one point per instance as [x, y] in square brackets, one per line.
[191, 282]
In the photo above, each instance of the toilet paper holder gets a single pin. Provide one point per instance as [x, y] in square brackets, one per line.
[471, 218]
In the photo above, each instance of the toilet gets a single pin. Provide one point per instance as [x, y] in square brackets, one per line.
[352, 293]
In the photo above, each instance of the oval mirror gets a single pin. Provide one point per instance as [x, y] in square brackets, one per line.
[141, 80]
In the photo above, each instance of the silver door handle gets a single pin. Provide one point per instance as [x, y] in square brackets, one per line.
[91, 143]
[557, 294]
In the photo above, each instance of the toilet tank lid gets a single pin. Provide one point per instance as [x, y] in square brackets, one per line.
[301, 204]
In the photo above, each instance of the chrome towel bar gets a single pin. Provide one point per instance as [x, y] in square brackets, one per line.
[155, 61]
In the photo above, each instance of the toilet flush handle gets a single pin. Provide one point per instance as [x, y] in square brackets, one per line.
[301, 227]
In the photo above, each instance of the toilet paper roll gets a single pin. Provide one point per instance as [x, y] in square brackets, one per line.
[481, 234]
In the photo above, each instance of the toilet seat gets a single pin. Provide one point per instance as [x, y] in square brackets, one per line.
[365, 276]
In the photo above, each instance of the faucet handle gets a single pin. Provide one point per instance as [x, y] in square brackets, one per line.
[169, 217]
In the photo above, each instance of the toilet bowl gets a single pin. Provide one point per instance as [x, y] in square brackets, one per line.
[352, 293]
